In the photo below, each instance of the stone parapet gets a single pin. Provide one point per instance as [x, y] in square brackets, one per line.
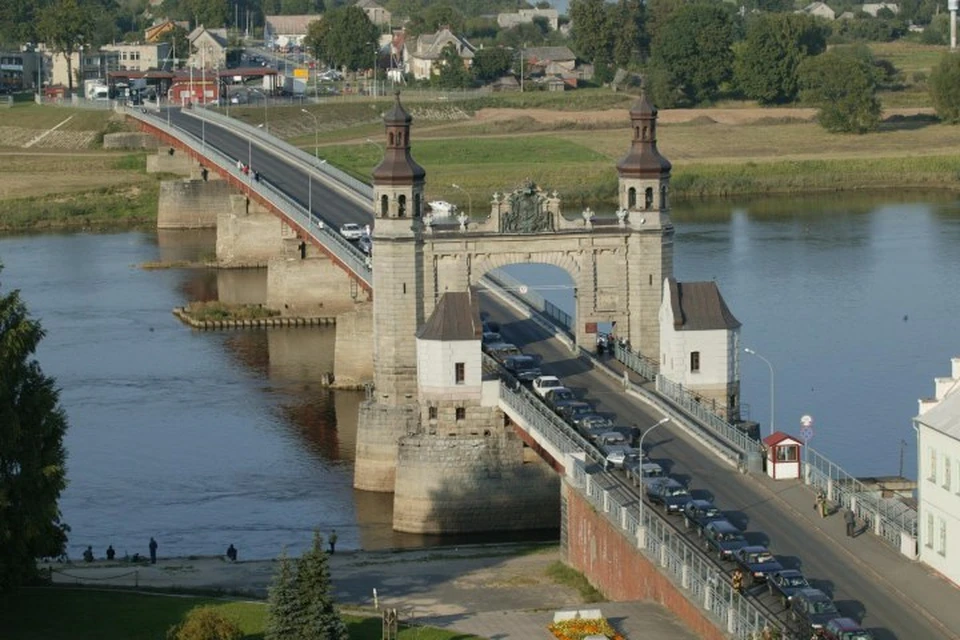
[379, 429]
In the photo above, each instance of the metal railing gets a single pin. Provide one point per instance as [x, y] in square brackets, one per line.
[532, 298]
[890, 518]
[342, 249]
[644, 367]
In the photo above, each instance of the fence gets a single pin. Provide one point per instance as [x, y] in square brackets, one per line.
[644, 367]
[349, 255]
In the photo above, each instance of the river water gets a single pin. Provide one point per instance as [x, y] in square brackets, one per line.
[203, 439]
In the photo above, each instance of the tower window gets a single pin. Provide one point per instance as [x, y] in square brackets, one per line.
[402, 206]
[636, 133]
[399, 139]
[648, 198]
[459, 373]
[390, 137]
[461, 413]
[384, 205]
[663, 196]
[644, 133]
[432, 413]
[694, 361]
[417, 205]
[631, 198]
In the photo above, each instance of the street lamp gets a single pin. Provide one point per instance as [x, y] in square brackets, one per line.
[316, 133]
[376, 144]
[772, 397]
[642, 529]
[469, 199]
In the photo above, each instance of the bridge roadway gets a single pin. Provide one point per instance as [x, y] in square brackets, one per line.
[860, 591]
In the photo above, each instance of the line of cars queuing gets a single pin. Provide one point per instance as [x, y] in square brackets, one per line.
[358, 234]
[810, 608]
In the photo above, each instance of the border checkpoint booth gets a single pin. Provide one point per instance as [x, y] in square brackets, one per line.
[782, 456]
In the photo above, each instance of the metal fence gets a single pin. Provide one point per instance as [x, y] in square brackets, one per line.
[889, 518]
[644, 367]
[533, 299]
[343, 250]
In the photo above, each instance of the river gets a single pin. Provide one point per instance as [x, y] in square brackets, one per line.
[203, 439]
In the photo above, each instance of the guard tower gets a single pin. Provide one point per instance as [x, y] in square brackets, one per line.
[397, 306]
[644, 185]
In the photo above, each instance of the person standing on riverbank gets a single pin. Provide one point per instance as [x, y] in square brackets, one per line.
[332, 541]
[153, 550]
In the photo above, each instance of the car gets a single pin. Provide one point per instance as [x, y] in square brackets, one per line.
[697, 513]
[669, 494]
[543, 384]
[619, 455]
[844, 629]
[643, 472]
[569, 411]
[490, 325]
[608, 438]
[594, 421]
[365, 244]
[784, 584]
[722, 538]
[559, 395]
[522, 367]
[756, 562]
[490, 337]
[813, 609]
[500, 351]
[351, 231]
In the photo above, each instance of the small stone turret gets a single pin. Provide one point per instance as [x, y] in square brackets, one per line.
[644, 173]
[398, 179]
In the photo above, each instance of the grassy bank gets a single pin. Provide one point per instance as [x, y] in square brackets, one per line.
[96, 615]
[215, 310]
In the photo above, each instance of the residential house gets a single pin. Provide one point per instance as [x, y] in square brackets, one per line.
[820, 10]
[550, 60]
[699, 341]
[938, 476]
[86, 65]
[287, 31]
[141, 56]
[525, 16]
[154, 33]
[377, 14]
[208, 48]
[18, 70]
[421, 57]
[874, 8]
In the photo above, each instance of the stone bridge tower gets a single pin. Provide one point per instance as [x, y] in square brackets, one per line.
[644, 183]
[397, 306]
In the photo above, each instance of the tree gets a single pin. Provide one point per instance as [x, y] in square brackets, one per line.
[209, 13]
[629, 36]
[64, 26]
[18, 22]
[593, 32]
[344, 37]
[776, 44]
[842, 83]
[283, 603]
[945, 88]
[431, 18]
[450, 71]
[179, 44]
[205, 623]
[695, 48]
[321, 620]
[32, 458]
[491, 63]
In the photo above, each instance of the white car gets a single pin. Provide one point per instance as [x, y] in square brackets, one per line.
[543, 384]
[351, 231]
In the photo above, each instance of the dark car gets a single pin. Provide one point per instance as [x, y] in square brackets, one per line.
[572, 410]
[697, 513]
[845, 629]
[784, 584]
[756, 562]
[813, 609]
[559, 395]
[722, 538]
[523, 367]
[669, 494]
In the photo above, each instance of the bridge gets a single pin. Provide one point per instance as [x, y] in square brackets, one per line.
[670, 566]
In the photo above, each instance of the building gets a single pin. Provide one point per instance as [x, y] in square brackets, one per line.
[154, 33]
[377, 14]
[525, 16]
[18, 70]
[141, 56]
[208, 48]
[281, 32]
[86, 65]
[820, 10]
[938, 476]
[699, 343]
[550, 60]
[875, 8]
[421, 58]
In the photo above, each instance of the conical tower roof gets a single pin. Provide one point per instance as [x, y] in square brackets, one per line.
[644, 159]
[398, 167]
[397, 115]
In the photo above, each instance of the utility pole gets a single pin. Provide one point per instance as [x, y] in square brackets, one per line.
[953, 5]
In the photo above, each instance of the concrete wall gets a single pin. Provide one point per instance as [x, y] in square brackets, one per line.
[353, 358]
[192, 204]
[472, 483]
[247, 234]
[312, 286]
[615, 566]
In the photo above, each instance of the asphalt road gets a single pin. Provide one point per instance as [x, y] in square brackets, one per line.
[324, 202]
[860, 596]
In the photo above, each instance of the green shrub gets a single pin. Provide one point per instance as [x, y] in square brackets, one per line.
[205, 623]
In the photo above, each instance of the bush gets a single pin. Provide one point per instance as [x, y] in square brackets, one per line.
[945, 88]
[843, 84]
[205, 623]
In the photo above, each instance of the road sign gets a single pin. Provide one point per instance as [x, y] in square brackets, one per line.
[806, 433]
[301, 73]
[523, 289]
[806, 421]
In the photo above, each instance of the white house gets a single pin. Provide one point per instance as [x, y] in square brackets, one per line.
[208, 48]
[938, 476]
[874, 8]
[136, 56]
[699, 340]
[377, 14]
[287, 31]
[819, 9]
[421, 57]
[524, 16]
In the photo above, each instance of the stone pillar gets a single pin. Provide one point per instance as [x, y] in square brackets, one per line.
[310, 287]
[731, 619]
[353, 357]
[242, 286]
[650, 261]
[192, 204]
[248, 235]
[179, 164]
[379, 429]
[685, 576]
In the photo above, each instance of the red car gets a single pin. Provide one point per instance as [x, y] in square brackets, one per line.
[845, 629]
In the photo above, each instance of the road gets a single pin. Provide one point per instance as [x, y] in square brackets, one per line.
[860, 594]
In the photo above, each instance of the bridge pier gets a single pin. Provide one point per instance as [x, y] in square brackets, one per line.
[248, 235]
[192, 204]
[379, 429]
[353, 356]
[305, 282]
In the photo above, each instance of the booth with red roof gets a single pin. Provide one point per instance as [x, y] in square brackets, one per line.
[783, 456]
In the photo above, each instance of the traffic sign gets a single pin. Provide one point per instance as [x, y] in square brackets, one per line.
[806, 421]
[806, 433]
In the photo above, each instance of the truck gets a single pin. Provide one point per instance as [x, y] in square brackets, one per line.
[294, 86]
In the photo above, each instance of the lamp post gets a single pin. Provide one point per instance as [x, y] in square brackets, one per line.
[773, 412]
[316, 133]
[376, 144]
[469, 199]
[641, 528]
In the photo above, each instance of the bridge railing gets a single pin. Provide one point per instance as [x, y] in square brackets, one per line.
[361, 189]
[531, 298]
[345, 252]
[640, 365]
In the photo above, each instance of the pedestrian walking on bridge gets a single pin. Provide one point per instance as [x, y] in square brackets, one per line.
[851, 520]
[737, 580]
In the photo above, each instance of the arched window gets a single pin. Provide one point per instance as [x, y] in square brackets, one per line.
[636, 133]
[644, 133]
[648, 198]
[663, 196]
[399, 139]
[401, 206]
[390, 137]
[631, 198]
[417, 205]
[384, 205]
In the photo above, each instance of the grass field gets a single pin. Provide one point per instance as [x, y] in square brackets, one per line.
[62, 614]
[33, 116]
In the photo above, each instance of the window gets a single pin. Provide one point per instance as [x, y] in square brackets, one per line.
[461, 413]
[933, 464]
[390, 138]
[648, 198]
[459, 373]
[384, 205]
[942, 542]
[417, 205]
[402, 206]
[432, 413]
[663, 197]
[947, 473]
[694, 361]
[928, 534]
[787, 453]
[631, 198]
